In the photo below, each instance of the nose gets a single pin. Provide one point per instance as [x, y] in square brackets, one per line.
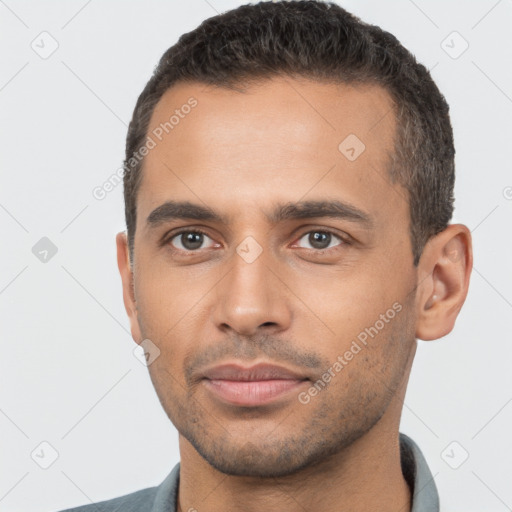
[252, 296]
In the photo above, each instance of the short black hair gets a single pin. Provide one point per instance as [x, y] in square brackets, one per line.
[321, 41]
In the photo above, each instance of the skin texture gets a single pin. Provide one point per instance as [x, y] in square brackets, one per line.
[296, 305]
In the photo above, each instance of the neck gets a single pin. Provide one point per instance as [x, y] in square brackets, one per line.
[367, 476]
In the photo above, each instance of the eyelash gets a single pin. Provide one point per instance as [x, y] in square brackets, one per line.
[344, 239]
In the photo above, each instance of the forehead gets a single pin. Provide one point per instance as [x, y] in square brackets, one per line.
[278, 140]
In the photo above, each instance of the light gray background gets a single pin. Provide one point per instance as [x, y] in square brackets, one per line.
[67, 369]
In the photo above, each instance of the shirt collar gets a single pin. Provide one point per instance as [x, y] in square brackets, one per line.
[417, 474]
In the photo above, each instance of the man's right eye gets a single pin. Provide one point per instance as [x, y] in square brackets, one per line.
[187, 240]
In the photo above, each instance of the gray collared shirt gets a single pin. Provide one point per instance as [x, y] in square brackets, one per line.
[163, 497]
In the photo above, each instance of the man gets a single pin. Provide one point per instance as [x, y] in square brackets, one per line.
[288, 188]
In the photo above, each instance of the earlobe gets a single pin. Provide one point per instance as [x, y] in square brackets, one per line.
[125, 270]
[444, 272]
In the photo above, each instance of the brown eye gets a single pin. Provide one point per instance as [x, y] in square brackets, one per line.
[321, 240]
[188, 240]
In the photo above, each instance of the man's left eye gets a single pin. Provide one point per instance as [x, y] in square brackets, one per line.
[320, 240]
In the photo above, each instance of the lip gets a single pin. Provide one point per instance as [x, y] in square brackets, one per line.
[261, 371]
[257, 385]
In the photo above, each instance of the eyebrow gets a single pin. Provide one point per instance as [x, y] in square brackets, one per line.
[185, 210]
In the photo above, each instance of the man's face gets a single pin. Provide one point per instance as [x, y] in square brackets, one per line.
[298, 291]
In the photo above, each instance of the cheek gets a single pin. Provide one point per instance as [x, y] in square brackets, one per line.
[344, 303]
[164, 295]
[357, 326]
[167, 370]
[368, 361]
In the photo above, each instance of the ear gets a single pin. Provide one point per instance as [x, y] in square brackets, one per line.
[123, 262]
[443, 281]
